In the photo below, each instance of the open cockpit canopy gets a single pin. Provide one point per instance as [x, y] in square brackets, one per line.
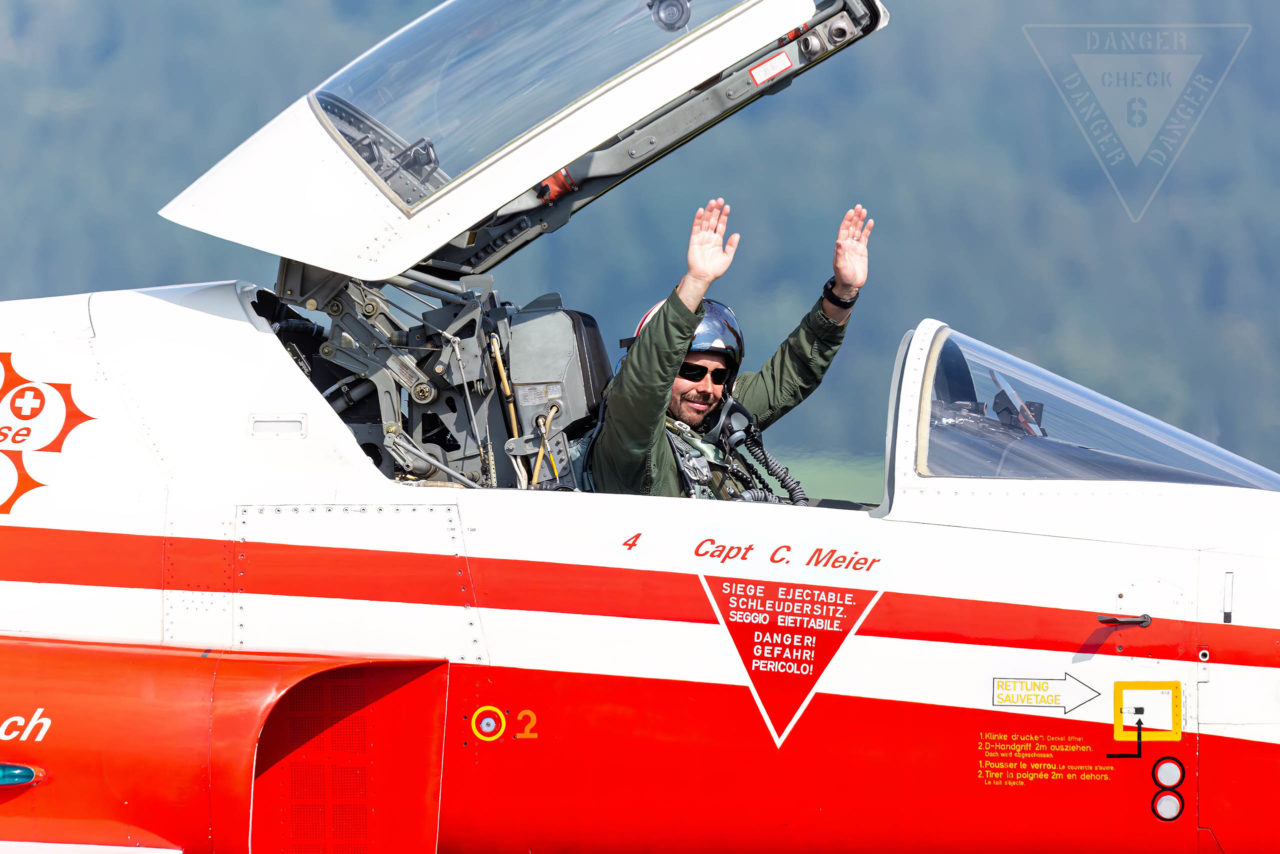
[389, 191]
[463, 81]
[484, 124]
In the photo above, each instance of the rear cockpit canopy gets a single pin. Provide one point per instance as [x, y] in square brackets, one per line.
[986, 414]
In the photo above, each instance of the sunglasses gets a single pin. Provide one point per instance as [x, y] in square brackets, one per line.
[694, 373]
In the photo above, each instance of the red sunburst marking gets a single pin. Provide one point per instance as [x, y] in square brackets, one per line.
[25, 484]
[75, 417]
[9, 379]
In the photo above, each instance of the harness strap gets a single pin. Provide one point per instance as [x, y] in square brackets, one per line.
[704, 470]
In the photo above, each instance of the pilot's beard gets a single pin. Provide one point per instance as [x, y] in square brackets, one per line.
[696, 420]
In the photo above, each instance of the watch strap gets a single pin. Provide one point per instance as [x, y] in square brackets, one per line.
[829, 294]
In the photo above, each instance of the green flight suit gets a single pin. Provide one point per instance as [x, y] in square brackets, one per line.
[632, 453]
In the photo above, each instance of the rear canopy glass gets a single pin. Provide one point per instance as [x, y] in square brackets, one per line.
[465, 79]
[995, 416]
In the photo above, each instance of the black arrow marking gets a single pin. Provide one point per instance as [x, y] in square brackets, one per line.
[1137, 755]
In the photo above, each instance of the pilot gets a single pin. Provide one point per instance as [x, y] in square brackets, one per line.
[663, 414]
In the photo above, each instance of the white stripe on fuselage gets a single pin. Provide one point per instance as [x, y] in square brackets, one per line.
[12, 847]
[903, 670]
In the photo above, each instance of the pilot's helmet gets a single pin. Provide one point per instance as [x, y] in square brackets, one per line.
[718, 332]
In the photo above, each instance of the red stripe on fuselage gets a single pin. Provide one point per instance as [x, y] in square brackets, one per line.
[942, 620]
[582, 589]
[332, 573]
[151, 562]
[80, 557]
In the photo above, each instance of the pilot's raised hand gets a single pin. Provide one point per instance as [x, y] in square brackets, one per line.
[709, 253]
[850, 262]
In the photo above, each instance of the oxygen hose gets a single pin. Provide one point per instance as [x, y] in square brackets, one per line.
[737, 428]
[760, 495]
[775, 469]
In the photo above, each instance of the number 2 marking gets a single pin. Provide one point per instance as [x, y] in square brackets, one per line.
[533, 720]
[631, 542]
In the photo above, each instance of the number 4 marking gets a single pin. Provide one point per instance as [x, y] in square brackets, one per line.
[631, 542]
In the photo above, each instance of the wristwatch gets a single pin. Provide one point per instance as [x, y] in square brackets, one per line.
[829, 294]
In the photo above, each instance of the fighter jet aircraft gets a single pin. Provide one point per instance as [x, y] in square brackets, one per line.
[327, 580]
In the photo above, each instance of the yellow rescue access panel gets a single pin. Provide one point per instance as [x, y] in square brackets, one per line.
[1153, 707]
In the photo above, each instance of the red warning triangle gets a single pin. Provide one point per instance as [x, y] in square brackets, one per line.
[786, 635]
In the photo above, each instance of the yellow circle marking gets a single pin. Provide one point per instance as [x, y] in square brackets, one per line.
[502, 723]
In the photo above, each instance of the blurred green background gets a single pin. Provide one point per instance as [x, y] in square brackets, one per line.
[992, 213]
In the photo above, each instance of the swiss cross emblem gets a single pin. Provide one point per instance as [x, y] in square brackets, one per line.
[34, 417]
[28, 404]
